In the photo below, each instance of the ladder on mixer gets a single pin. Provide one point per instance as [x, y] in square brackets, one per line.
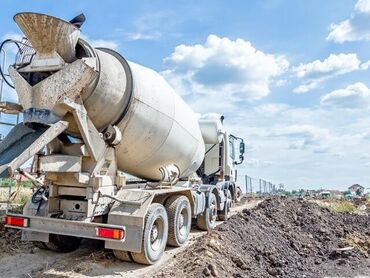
[5, 204]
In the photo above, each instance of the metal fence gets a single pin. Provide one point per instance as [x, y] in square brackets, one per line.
[259, 186]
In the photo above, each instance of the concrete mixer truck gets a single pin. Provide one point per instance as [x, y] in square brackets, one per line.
[90, 117]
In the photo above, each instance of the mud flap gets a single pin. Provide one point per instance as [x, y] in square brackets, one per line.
[23, 142]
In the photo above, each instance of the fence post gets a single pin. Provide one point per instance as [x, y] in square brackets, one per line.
[246, 184]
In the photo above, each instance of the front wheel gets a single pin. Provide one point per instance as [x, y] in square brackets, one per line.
[207, 220]
[154, 237]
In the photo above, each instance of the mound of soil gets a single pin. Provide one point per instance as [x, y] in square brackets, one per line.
[281, 237]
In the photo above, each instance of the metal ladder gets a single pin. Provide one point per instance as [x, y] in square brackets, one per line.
[9, 109]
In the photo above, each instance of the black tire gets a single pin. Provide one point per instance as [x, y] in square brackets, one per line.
[225, 214]
[207, 220]
[61, 243]
[154, 237]
[179, 220]
[40, 244]
[238, 195]
[122, 255]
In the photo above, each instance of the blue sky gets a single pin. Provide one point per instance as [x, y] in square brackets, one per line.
[290, 76]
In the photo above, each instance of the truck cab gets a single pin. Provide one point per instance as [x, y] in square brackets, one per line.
[223, 153]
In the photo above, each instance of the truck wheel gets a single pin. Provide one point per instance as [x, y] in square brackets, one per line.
[122, 255]
[207, 220]
[239, 194]
[227, 207]
[179, 220]
[39, 244]
[154, 237]
[61, 243]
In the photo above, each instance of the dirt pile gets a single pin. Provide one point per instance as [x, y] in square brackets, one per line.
[281, 237]
[11, 243]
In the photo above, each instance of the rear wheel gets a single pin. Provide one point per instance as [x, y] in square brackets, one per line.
[61, 243]
[154, 237]
[207, 220]
[227, 207]
[179, 220]
[122, 255]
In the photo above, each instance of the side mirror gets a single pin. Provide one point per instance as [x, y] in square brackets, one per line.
[241, 157]
[242, 148]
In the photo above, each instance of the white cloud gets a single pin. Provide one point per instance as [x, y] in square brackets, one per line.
[353, 96]
[315, 73]
[104, 43]
[334, 64]
[101, 43]
[210, 116]
[143, 36]
[255, 163]
[233, 68]
[355, 28]
[13, 36]
[304, 136]
[311, 147]
[362, 6]
[272, 108]
[365, 66]
[152, 26]
[304, 88]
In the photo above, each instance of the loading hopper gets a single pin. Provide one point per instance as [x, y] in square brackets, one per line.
[48, 34]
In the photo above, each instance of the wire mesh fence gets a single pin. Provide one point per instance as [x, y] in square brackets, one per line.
[259, 186]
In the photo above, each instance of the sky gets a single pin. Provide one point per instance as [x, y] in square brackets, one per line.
[291, 77]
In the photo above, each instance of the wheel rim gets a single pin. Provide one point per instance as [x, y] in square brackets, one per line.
[183, 222]
[156, 234]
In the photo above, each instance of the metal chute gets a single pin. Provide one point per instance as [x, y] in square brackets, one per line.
[23, 142]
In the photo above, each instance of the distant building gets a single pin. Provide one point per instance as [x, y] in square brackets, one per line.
[328, 193]
[325, 194]
[356, 189]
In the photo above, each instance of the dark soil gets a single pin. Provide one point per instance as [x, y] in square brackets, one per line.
[281, 237]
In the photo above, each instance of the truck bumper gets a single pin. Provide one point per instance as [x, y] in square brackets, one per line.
[38, 228]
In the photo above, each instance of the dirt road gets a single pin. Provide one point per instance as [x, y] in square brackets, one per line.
[23, 260]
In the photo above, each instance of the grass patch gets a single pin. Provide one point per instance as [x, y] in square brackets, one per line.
[13, 182]
[342, 206]
[19, 196]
